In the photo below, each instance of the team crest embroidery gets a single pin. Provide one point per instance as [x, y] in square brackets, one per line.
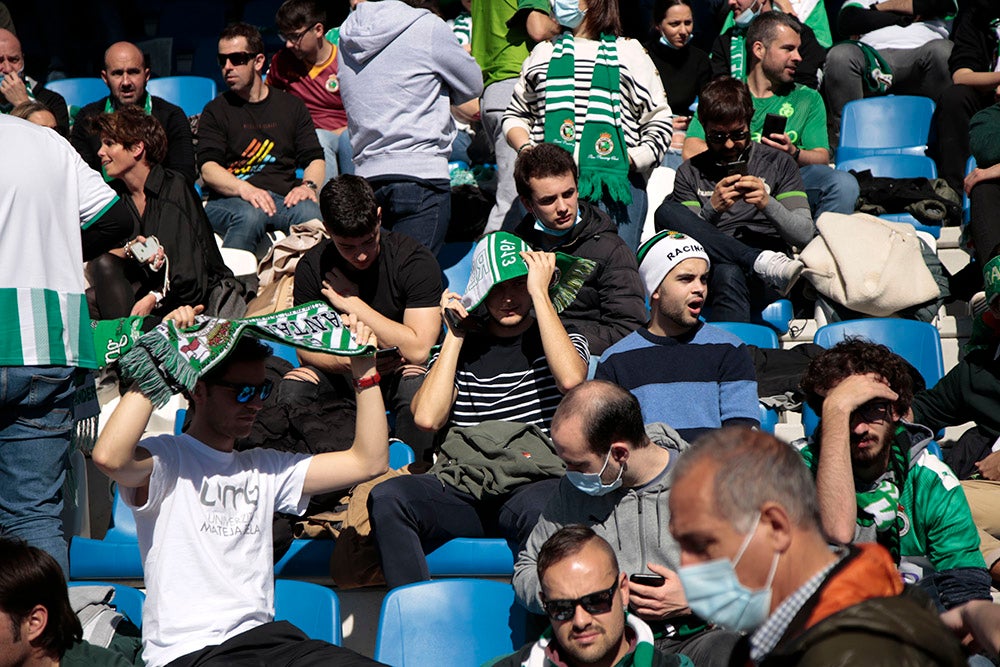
[786, 110]
[604, 145]
[332, 84]
[567, 131]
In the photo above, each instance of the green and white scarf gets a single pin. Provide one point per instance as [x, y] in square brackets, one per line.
[878, 74]
[642, 656]
[603, 158]
[497, 257]
[879, 507]
[169, 359]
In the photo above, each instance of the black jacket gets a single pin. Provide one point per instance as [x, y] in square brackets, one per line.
[812, 52]
[611, 303]
[180, 141]
[55, 102]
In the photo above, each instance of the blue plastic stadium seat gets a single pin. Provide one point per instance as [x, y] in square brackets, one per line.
[190, 93]
[400, 454]
[777, 314]
[481, 618]
[933, 230]
[757, 335]
[893, 124]
[114, 557]
[128, 600]
[79, 92]
[892, 166]
[472, 557]
[970, 164]
[456, 265]
[313, 609]
[286, 352]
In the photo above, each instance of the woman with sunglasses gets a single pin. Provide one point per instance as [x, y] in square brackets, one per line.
[597, 95]
[176, 261]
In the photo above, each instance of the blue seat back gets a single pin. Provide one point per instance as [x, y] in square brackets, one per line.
[892, 166]
[400, 454]
[449, 622]
[123, 529]
[456, 265]
[893, 124]
[128, 601]
[79, 92]
[286, 352]
[313, 609]
[190, 93]
[917, 342]
[757, 335]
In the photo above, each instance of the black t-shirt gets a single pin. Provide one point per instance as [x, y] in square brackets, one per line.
[261, 142]
[405, 275]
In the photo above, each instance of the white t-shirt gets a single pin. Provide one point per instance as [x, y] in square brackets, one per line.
[205, 539]
[47, 193]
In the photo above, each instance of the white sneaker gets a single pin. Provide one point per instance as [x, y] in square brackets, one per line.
[778, 270]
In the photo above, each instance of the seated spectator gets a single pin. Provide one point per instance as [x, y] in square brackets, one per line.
[16, 88]
[589, 623]
[684, 69]
[773, 42]
[35, 112]
[617, 127]
[126, 74]
[743, 510]
[685, 373]
[501, 362]
[975, 75]
[609, 305]
[982, 185]
[37, 623]
[389, 281]
[908, 500]
[306, 67]
[189, 266]
[250, 141]
[193, 489]
[731, 52]
[744, 202]
[902, 49]
[402, 139]
[597, 429]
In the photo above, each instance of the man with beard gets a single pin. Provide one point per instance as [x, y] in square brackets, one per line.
[908, 500]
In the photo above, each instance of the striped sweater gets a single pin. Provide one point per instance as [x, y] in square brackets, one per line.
[646, 116]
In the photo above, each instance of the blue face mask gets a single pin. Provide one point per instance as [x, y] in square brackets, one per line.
[746, 17]
[568, 13]
[590, 482]
[540, 226]
[670, 45]
[715, 593]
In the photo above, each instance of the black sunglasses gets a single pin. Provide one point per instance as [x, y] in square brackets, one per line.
[720, 137]
[874, 411]
[595, 603]
[238, 58]
[246, 392]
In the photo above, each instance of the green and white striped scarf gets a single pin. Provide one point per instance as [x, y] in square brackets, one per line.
[879, 507]
[602, 158]
[169, 359]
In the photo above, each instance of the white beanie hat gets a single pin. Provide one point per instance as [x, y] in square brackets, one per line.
[660, 254]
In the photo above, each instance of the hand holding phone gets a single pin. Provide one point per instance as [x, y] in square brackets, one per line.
[647, 579]
[773, 124]
[144, 251]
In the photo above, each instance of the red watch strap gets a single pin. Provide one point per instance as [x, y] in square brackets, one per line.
[365, 382]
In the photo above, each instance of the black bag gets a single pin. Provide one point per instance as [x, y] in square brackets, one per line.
[931, 201]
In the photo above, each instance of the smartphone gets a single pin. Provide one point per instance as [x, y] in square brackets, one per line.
[388, 353]
[144, 251]
[647, 579]
[773, 124]
[737, 167]
[453, 319]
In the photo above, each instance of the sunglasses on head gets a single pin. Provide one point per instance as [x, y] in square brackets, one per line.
[720, 137]
[246, 392]
[594, 603]
[237, 59]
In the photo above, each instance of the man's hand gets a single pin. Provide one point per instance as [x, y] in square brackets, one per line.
[780, 141]
[989, 467]
[365, 364]
[338, 289]
[300, 193]
[855, 391]
[14, 89]
[753, 191]
[183, 316]
[260, 199]
[541, 267]
[451, 302]
[726, 193]
[655, 603]
[144, 306]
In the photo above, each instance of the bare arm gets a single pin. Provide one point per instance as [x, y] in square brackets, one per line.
[898, 6]
[541, 26]
[784, 143]
[568, 368]
[116, 453]
[467, 112]
[693, 146]
[983, 80]
[432, 403]
[517, 137]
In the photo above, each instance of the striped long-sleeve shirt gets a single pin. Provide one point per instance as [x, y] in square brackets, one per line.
[645, 114]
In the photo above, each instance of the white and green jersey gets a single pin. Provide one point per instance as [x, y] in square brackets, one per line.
[45, 201]
[911, 36]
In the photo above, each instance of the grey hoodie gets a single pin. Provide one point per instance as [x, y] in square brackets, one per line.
[400, 70]
[633, 521]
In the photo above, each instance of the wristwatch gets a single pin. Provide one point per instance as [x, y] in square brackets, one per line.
[309, 184]
[367, 381]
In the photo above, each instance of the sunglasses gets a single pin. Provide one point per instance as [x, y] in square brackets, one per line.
[874, 411]
[238, 58]
[720, 137]
[595, 603]
[246, 392]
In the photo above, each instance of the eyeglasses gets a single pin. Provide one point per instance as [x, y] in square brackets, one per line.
[246, 392]
[295, 37]
[595, 603]
[238, 58]
[874, 411]
[720, 137]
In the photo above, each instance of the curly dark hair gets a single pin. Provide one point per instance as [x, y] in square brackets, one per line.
[858, 356]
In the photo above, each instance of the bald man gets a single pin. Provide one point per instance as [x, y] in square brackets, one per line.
[126, 74]
[17, 88]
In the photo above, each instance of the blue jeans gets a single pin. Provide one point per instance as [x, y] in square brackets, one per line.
[421, 210]
[330, 141]
[36, 422]
[829, 190]
[242, 226]
[345, 154]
